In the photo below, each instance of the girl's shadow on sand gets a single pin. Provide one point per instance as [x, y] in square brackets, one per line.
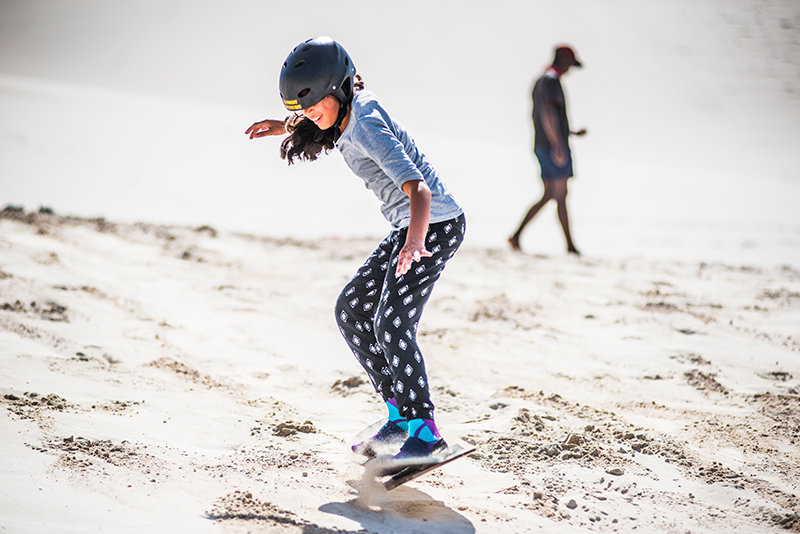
[400, 510]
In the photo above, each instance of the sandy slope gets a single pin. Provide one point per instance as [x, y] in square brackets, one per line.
[188, 380]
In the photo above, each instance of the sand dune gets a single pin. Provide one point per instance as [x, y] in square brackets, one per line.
[186, 379]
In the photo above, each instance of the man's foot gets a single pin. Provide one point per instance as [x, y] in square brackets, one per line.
[388, 434]
[414, 448]
[573, 250]
[514, 242]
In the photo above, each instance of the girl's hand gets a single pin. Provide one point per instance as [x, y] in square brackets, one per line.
[412, 251]
[267, 127]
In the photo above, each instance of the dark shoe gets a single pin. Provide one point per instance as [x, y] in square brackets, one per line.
[389, 434]
[415, 447]
[412, 449]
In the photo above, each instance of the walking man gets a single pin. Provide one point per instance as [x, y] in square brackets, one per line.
[551, 142]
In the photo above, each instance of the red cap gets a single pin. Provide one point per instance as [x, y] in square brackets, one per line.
[567, 54]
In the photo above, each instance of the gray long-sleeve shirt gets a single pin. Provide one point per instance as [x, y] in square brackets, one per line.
[380, 151]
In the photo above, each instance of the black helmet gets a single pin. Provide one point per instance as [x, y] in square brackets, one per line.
[315, 69]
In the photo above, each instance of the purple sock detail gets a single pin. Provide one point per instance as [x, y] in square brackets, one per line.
[424, 429]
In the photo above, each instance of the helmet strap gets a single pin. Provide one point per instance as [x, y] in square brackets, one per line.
[320, 135]
[337, 126]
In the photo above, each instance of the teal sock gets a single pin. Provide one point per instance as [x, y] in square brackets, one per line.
[424, 429]
[394, 415]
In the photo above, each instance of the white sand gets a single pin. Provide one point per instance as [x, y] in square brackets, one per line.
[168, 377]
[152, 374]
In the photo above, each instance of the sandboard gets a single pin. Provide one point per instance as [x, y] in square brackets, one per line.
[410, 468]
[424, 465]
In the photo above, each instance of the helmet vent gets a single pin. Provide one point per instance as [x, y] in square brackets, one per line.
[306, 48]
[303, 93]
[300, 63]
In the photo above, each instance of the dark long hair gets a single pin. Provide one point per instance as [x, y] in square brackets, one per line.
[305, 140]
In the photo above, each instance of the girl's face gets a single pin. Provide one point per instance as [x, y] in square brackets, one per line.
[324, 113]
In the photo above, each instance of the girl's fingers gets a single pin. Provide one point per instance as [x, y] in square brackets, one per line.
[405, 260]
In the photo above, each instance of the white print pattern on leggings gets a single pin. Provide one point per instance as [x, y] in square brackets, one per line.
[378, 314]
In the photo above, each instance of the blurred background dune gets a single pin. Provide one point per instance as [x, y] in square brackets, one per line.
[135, 111]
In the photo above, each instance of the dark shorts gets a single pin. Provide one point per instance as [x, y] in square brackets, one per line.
[551, 171]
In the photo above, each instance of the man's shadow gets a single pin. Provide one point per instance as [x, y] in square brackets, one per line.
[403, 509]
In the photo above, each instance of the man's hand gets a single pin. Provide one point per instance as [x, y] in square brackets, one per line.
[266, 127]
[559, 155]
[580, 132]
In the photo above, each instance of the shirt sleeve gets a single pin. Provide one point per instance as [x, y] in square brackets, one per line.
[552, 93]
[380, 143]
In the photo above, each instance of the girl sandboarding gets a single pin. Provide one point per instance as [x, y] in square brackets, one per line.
[379, 310]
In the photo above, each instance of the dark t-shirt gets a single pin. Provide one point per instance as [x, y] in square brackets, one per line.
[547, 91]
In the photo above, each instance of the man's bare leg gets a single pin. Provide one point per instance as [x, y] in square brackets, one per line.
[560, 195]
[547, 196]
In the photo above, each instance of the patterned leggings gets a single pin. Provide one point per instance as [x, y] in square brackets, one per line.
[378, 315]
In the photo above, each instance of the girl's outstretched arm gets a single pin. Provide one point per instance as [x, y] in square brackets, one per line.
[267, 127]
[420, 198]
